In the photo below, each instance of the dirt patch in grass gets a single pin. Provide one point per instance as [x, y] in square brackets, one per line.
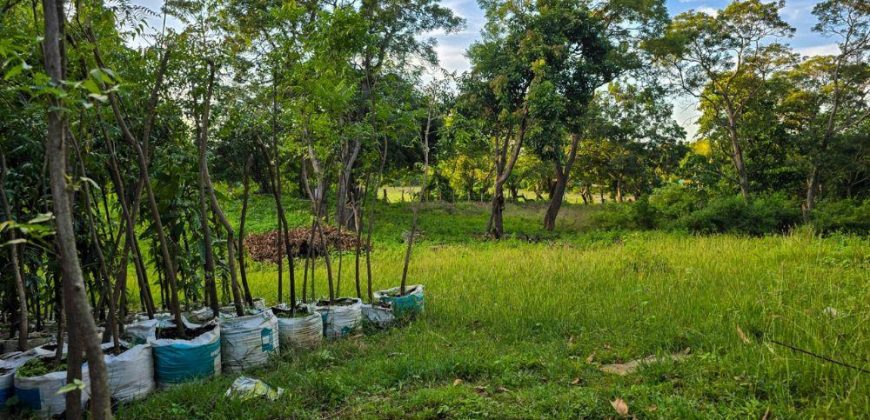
[264, 246]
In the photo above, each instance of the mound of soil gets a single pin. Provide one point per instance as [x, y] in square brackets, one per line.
[264, 246]
[301, 312]
[189, 334]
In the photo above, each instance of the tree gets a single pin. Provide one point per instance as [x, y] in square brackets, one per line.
[850, 21]
[709, 56]
[81, 324]
[588, 45]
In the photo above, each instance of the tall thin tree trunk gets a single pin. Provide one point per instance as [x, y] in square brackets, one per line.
[210, 286]
[16, 267]
[80, 316]
[737, 157]
[102, 265]
[813, 181]
[562, 176]
[209, 189]
[142, 161]
[505, 166]
[246, 181]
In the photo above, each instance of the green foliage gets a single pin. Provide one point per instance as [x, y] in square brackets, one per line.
[842, 216]
[39, 366]
[673, 201]
[681, 208]
[759, 216]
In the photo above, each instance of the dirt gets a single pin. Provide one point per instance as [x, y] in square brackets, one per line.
[337, 302]
[623, 369]
[189, 334]
[263, 247]
[111, 350]
[286, 313]
[408, 291]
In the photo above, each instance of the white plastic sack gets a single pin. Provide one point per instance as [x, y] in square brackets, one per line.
[403, 306]
[378, 316]
[245, 388]
[341, 320]
[247, 341]
[302, 333]
[141, 331]
[177, 361]
[131, 373]
[8, 364]
[39, 393]
[203, 314]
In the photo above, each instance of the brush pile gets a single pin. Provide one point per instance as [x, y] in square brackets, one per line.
[264, 246]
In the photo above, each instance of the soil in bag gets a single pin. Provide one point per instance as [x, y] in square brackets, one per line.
[190, 333]
[178, 360]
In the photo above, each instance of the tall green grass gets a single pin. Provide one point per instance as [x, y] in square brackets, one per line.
[516, 322]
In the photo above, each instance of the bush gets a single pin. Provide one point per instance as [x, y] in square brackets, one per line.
[679, 208]
[850, 216]
[676, 200]
[616, 216]
[759, 216]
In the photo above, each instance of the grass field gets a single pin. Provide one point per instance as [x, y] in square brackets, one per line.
[519, 329]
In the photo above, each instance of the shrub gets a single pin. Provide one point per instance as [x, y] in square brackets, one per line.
[674, 201]
[851, 216]
[616, 216]
[759, 216]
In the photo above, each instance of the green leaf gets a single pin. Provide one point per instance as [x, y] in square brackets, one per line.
[92, 182]
[14, 71]
[101, 98]
[13, 242]
[91, 86]
[41, 218]
[76, 384]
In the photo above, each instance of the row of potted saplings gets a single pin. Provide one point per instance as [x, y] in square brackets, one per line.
[227, 342]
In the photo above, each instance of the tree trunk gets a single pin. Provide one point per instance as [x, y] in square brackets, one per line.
[504, 167]
[813, 181]
[16, 267]
[737, 157]
[558, 194]
[215, 206]
[108, 292]
[210, 286]
[142, 161]
[345, 178]
[77, 307]
[245, 196]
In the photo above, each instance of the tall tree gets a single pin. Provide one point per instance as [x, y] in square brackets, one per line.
[849, 20]
[79, 317]
[709, 56]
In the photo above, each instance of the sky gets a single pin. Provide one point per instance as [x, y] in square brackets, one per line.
[451, 47]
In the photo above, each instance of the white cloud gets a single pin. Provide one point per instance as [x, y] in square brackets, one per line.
[452, 57]
[708, 10]
[825, 49]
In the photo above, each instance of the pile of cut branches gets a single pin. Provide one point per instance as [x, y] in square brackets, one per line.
[264, 246]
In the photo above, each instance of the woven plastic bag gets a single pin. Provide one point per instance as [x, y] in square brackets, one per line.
[131, 373]
[40, 393]
[247, 341]
[177, 361]
[410, 304]
[302, 332]
[341, 318]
